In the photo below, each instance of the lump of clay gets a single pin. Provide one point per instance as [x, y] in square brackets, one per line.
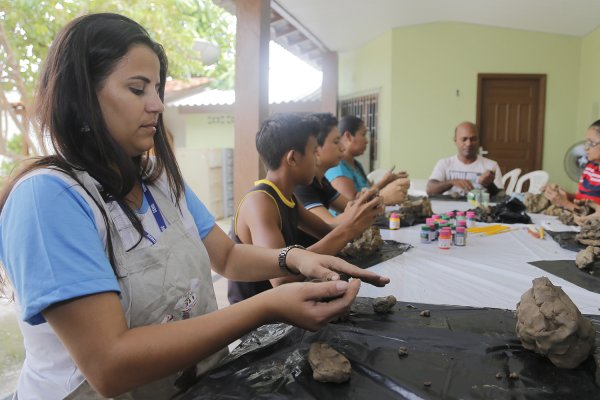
[567, 217]
[553, 210]
[550, 324]
[369, 243]
[415, 210]
[402, 351]
[587, 257]
[581, 219]
[536, 203]
[328, 365]
[384, 305]
[590, 232]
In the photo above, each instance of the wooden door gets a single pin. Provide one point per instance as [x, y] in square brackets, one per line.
[510, 117]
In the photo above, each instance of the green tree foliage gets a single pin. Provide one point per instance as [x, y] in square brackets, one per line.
[15, 145]
[30, 26]
[217, 26]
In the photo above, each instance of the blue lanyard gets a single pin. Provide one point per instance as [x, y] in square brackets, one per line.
[155, 211]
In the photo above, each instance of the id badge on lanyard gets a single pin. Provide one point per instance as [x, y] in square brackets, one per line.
[155, 211]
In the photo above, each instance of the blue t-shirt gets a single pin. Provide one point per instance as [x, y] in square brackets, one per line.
[52, 246]
[357, 175]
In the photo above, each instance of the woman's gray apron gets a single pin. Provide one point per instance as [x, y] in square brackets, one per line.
[168, 281]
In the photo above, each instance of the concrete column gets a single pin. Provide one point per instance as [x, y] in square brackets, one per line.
[251, 90]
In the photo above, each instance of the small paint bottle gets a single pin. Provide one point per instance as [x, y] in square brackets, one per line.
[463, 224]
[451, 217]
[460, 239]
[471, 219]
[394, 221]
[445, 239]
[433, 232]
[425, 234]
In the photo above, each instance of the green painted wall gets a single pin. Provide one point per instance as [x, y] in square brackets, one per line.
[430, 63]
[209, 131]
[589, 85]
[369, 70]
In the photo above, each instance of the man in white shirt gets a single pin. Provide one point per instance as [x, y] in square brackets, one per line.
[466, 170]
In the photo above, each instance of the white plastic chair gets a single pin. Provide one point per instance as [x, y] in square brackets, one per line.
[509, 180]
[376, 175]
[536, 179]
[418, 187]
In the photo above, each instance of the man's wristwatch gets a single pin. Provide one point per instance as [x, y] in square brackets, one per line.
[282, 259]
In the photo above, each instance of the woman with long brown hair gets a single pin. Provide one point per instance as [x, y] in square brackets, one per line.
[109, 252]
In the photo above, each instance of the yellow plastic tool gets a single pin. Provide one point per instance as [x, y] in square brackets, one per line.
[502, 231]
[489, 229]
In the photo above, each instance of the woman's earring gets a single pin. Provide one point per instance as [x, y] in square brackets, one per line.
[85, 128]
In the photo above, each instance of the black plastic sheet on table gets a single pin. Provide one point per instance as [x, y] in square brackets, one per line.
[588, 279]
[390, 249]
[567, 240]
[459, 350]
[511, 211]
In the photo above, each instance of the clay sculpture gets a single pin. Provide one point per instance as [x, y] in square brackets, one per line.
[536, 203]
[328, 364]
[586, 208]
[366, 245]
[590, 232]
[551, 325]
[587, 257]
[415, 210]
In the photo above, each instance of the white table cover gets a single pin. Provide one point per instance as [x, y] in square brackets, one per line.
[490, 271]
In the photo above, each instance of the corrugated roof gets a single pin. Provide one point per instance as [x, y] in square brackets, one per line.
[176, 85]
[212, 97]
[208, 97]
[287, 31]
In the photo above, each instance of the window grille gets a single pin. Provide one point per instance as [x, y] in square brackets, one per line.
[366, 108]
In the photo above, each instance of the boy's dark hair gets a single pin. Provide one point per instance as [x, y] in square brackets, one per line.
[327, 121]
[281, 133]
[596, 125]
[350, 123]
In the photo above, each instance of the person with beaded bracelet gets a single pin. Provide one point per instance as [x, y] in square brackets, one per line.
[109, 253]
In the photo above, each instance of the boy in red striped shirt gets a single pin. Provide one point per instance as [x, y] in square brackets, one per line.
[589, 183]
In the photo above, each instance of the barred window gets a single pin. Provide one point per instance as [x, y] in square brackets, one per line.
[366, 108]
